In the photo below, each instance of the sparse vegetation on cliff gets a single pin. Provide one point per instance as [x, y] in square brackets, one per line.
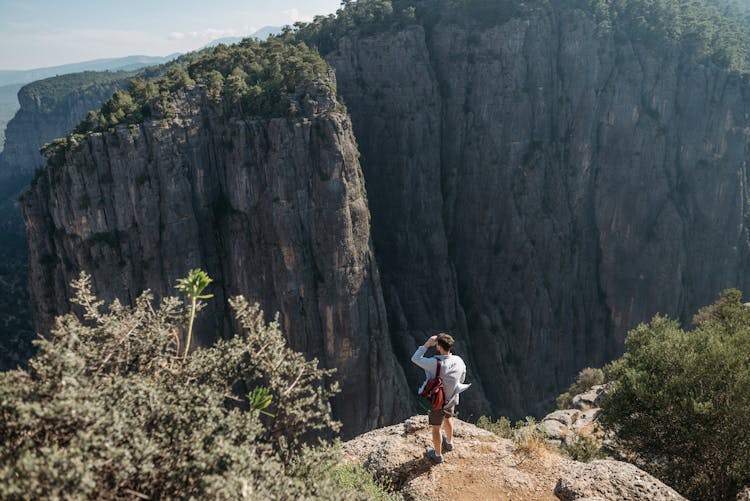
[708, 30]
[252, 78]
[51, 92]
[587, 378]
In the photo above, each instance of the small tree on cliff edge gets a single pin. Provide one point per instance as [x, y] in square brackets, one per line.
[682, 399]
[109, 409]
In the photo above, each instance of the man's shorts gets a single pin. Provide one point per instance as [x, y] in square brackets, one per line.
[435, 418]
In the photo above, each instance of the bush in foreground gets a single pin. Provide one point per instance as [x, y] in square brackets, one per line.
[108, 409]
[681, 399]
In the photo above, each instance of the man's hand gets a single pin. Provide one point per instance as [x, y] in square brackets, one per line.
[431, 342]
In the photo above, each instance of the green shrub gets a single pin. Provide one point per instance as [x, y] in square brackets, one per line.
[357, 480]
[501, 427]
[108, 409]
[522, 432]
[586, 379]
[682, 399]
[583, 449]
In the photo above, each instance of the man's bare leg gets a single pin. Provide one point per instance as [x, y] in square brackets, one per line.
[437, 439]
[448, 422]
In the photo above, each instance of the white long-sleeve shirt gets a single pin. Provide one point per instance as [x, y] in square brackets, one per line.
[452, 371]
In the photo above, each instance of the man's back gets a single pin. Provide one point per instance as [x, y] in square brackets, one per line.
[453, 372]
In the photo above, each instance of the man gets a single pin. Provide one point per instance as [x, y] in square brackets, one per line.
[453, 374]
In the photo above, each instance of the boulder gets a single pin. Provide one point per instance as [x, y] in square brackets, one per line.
[609, 479]
[589, 399]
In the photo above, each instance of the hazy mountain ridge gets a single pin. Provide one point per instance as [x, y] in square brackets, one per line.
[127, 63]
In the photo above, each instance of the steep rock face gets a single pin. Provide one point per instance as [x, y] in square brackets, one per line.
[538, 188]
[44, 116]
[49, 109]
[272, 209]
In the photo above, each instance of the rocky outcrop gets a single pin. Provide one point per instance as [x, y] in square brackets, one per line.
[274, 209]
[50, 109]
[607, 479]
[485, 466]
[539, 187]
[567, 426]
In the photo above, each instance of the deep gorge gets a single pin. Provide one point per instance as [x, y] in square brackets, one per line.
[537, 187]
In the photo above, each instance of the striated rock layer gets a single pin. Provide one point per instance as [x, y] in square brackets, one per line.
[274, 209]
[539, 187]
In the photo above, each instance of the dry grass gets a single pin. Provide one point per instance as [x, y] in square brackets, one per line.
[531, 445]
[530, 442]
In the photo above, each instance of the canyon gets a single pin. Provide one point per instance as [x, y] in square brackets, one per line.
[536, 187]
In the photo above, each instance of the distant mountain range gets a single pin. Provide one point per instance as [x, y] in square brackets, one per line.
[126, 63]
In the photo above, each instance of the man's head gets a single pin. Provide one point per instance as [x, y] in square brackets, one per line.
[444, 341]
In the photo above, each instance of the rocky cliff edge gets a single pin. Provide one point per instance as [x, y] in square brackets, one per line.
[486, 466]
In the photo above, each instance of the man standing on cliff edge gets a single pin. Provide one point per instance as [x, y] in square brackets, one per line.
[453, 374]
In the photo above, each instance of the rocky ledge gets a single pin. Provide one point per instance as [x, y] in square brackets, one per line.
[486, 466]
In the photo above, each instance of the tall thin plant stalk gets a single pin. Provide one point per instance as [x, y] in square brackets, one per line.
[192, 286]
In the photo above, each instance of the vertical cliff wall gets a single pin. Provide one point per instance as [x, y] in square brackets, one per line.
[49, 109]
[540, 186]
[274, 209]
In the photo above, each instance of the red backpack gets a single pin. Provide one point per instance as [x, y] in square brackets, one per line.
[433, 390]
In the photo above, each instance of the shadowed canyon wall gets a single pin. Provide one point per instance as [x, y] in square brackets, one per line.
[538, 188]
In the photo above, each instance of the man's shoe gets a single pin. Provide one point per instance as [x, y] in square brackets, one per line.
[430, 454]
[447, 446]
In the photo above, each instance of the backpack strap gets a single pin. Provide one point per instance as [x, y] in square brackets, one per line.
[437, 371]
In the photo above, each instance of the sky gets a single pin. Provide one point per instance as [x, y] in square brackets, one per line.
[41, 33]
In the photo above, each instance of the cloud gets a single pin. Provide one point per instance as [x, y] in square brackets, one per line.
[176, 35]
[295, 15]
[212, 34]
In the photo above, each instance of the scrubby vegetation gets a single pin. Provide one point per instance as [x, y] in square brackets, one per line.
[708, 30]
[252, 77]
[110, 409]
[529, 437]
[713, 31]
[584, 448]
[681, 399]
[354, 478]
[585, 380]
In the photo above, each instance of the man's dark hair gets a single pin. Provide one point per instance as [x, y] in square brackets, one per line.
[445, 341]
